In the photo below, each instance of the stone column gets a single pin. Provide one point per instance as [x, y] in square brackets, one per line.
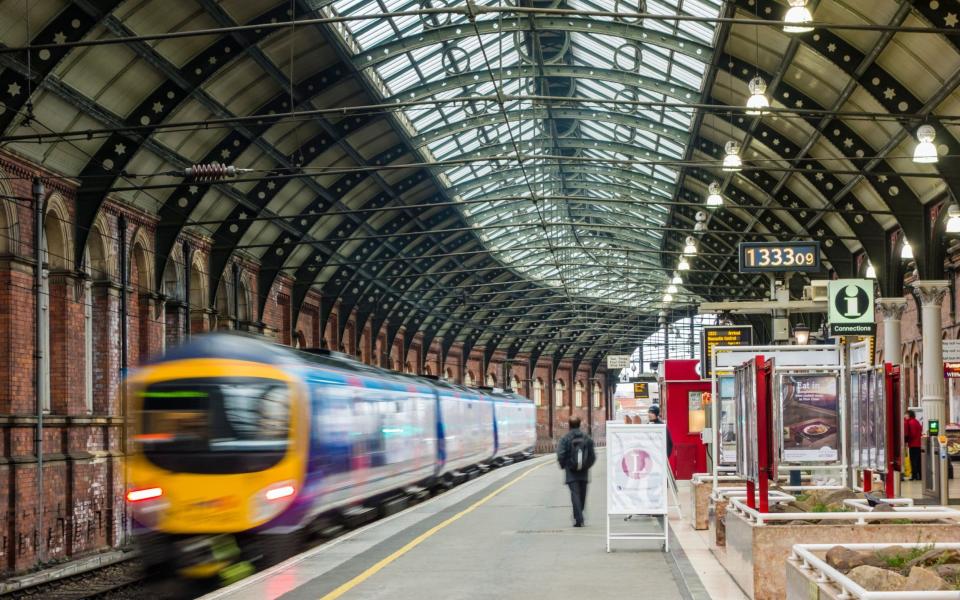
[931, 294]
[891, 309]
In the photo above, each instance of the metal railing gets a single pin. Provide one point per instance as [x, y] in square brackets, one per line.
[925, 513]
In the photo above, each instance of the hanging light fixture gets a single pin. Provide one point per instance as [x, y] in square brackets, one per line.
[757, 103]
[871, 272]
[684, 265]
[672, 289]
[714, 199]
[667, 298]
[798, 18]
[677, 280]
[691, 246]
[802, 333]
[732, 162]
[953, 219]
[926, 151]
[906, 253]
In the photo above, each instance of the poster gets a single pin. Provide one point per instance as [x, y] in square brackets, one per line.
[810, 419]
[878, 396]
[728, 420]
[636, 469]
[745, 380]
[855, 456]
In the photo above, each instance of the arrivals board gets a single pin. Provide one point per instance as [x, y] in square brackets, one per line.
[722, 335]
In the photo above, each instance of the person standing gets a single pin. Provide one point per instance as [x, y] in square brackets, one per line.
[576, 455]
[653, 417]
[912, 434]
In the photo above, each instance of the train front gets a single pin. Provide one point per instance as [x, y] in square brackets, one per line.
[217, 455]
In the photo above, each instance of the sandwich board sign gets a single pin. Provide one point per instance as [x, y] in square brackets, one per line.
[850, 307]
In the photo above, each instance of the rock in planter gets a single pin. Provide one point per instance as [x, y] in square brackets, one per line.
[951, 571]
[924, 580]
[883, 507]
[844, 559]
[875, 579]
[892, 552]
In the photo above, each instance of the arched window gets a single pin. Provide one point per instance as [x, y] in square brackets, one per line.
[516, 384]
[491, 380]
[597, 395]
[578, 395]
[558, 389]
[538, 391]
[243, 302]
[468, 379]
[448, 375]
[408, 368]
[299, 340]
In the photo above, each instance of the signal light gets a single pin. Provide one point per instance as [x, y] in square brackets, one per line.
[280, 492]
[144, 494]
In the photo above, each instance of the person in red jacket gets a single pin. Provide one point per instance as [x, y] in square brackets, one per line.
[912, 432]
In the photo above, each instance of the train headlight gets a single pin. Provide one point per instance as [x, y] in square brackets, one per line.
[148, 504]
[270, 501]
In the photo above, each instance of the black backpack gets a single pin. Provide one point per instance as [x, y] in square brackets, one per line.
[577, 461]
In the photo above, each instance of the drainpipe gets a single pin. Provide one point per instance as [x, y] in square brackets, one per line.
[186, 288]
[39, 350]
[122, 226]
[236, 297]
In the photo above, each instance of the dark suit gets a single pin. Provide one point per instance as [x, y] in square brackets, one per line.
[576, 480]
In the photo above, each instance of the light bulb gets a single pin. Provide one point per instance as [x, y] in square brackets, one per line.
[714, 199]
[732, 162]
[906, 253]
[700, 227]
[926, 151]
[798, 17]
[691, 246]
[672, 289]
[667, 298]
[684, 265]
[871, 272]
[757, 103]
[953, 219]
[677, 280]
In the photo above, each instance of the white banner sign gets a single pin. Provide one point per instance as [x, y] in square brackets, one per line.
[951, 350]
[637, 469]
[618, 361]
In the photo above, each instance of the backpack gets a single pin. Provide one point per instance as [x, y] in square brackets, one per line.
[578, 454]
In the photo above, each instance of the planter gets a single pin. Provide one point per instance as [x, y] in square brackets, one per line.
[756, 554]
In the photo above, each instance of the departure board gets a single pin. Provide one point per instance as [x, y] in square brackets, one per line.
[779, 257]
[722, 335]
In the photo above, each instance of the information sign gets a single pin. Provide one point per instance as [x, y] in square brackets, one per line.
[721, 336]
[810, 419]
[618, 361]
[779, 257]
[850, 307]
[641, 389]
[951, 351]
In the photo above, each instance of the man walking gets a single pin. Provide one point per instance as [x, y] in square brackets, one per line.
[576, 455]
[912, 439]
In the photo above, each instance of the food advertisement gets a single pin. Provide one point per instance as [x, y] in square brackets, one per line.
[636, 469]
[810, 418]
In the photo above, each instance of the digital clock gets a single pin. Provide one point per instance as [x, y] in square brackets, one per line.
[758, 257]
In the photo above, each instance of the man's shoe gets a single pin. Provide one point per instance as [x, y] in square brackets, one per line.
[578, 524]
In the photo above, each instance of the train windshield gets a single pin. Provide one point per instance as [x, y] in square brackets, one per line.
[222, 425]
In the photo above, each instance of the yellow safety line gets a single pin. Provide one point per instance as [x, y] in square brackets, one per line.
[346, 587]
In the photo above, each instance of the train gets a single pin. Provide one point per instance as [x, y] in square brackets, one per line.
[239, 446]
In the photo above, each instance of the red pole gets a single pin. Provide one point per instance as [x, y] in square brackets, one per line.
[751, 490]
[867, 480]
[764, 458]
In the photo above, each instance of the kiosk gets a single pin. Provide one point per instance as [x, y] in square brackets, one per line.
[685, 401]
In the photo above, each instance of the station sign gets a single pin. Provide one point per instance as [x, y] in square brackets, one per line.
[721, 335]
[951, 370]
[779, 257]
[641, 390]
[618, 361]
[951, 351]
[850, 307]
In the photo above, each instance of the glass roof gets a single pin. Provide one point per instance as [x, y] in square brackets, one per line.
[566, 179]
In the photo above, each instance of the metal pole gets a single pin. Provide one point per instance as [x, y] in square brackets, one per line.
[236, 297]
[39, 349]
[122, 226]
[186, 288]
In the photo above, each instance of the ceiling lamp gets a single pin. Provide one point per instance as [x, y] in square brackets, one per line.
[798, 18]
[672, 289]
[714, 199]
[953, 219]
[802, 334]
[757, 103]
[684, 265]
[691, 247]
[871, 272]
[667, 298]
[700, 227]
[732, 162]
[677, 280]
[925, 152]
[906, 253]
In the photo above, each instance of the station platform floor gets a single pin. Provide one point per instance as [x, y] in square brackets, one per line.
[507, 534]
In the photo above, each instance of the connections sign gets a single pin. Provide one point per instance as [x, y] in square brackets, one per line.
[850, 307]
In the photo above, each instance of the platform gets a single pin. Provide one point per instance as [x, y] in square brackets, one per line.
[505, 535]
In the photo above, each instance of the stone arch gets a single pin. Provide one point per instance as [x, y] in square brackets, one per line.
[140, 256]
[427, 370]
[299, 339]
[491, 380]
[558, 389]
[99, 261]
[578, 394]
[468, 379]
[538, 391]
[243, 300]
[173, 279]
[198, 295]
[516, 383]
[597, 395]
[58, 246]
[9, 226]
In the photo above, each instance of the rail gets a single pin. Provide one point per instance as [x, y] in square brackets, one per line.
[803, 555]
[926, 513]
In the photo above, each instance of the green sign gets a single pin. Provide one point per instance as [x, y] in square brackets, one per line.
[850, 307]
[933, 427]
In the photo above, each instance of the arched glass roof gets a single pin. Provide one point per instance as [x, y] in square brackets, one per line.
[558, 135]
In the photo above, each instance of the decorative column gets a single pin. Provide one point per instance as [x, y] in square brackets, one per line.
[891, 309]
[931, 294]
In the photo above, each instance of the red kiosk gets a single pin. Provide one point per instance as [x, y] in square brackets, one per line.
[685, 402]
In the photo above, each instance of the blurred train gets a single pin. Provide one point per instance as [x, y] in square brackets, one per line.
[240, 446]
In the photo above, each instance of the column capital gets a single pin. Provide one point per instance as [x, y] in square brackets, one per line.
[931, 292]
[892, 308]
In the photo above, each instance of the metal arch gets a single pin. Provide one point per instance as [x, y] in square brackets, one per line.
[529, 23]
[487, 152]
[652, 185]
[514, 192]
[626, 78]
[515, 203]
[637, 124]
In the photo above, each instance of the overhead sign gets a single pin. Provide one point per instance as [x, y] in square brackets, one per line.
[951, 350]
[641, 389]
[779, 257]
[850, 307]
[618, 361]
[721, 336]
